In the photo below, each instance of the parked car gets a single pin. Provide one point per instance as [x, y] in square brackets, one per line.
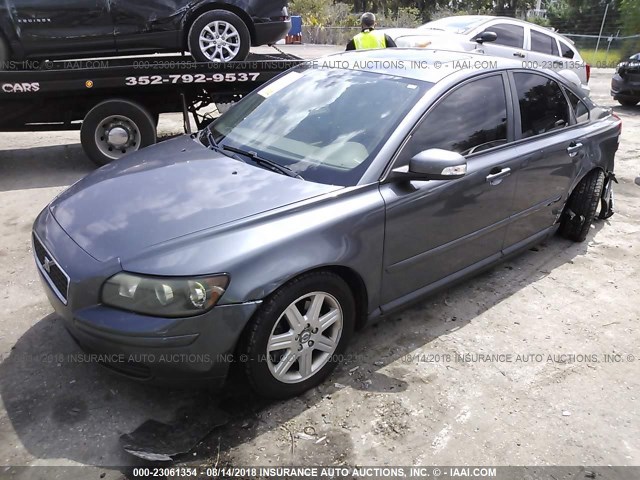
[534, 46]
[625, 84]
[341, 191]
[211, 30]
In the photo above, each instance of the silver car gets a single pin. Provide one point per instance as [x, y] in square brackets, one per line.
[533, 46]
[342, 191]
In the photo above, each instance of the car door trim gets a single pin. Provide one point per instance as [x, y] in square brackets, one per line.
[407, 262]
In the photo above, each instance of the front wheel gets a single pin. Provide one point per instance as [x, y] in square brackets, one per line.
[298, 335]
[582, 206]
[219, 36]
[115, 128]
[629, 102]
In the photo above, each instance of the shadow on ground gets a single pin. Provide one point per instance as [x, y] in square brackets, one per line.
[63, 409]
[41, 167]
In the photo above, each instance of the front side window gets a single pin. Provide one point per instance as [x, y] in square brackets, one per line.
[543, 43]
[324, 124]
[471, 119]
[508, 35]
[543, 107]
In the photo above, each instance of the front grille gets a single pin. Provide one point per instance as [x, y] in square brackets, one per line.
[57, 279]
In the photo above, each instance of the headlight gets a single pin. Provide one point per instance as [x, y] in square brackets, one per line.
[164, 297]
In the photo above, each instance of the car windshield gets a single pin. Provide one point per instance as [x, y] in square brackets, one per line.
[459, 24]
[324, 124]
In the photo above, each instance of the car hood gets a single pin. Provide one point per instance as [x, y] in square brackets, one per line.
[168, 191]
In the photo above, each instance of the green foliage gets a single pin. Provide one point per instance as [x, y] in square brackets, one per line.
[630, 10]
[543, 22]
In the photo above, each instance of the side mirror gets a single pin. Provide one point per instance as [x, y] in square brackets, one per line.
[486, 37]
[433, 164]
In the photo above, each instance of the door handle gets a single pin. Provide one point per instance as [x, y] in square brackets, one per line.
[573, 149]
[496, 178]
[519, 54]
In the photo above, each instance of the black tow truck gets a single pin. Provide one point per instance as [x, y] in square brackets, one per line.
[116, 103]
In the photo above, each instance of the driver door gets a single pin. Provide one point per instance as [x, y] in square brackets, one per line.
[436, 229]
[71, 27]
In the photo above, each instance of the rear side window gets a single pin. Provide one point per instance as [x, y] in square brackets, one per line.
[471, 119]
[543, 43]
[543, 106]
[565, 50]
[580, 110]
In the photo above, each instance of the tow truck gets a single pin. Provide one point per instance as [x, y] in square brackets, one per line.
[116, 103]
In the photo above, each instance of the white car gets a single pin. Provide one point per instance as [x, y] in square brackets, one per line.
[537, 47]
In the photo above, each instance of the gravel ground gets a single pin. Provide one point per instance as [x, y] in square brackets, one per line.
[560, 320]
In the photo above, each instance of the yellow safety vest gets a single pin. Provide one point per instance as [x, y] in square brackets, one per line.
[369, 39]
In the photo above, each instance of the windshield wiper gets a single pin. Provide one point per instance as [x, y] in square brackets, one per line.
[276, 167]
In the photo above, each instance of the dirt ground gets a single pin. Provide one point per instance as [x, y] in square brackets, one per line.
[536, 362]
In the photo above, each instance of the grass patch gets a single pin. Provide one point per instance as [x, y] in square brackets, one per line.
[602, 59]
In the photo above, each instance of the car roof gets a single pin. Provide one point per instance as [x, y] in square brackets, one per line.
[425, 64]
[490, 18]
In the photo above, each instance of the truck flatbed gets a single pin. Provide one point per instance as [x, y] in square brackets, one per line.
[116, 102]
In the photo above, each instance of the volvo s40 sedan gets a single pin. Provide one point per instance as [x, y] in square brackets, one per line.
[339, 192]
[211, 30]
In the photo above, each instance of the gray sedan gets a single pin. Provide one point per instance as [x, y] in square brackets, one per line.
[342, 191]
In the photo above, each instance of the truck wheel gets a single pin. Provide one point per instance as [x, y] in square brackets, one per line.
[115, 128]
[581, 207]
[296, 338]
[628, 103]
[219, 36]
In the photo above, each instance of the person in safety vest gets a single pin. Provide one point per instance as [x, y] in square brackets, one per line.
[369, 38]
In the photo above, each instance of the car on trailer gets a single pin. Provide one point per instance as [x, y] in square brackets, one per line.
[212, 30]
[341, 191]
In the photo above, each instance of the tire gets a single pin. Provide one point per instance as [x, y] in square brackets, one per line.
[133, 119]
[583, 202]
[628, 103]
[219, 22]
[261, 368]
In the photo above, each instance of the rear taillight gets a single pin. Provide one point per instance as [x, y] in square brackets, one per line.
[588, 72]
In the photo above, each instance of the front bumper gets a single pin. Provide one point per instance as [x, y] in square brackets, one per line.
[171, 351]
[625, 88]
[268, 33]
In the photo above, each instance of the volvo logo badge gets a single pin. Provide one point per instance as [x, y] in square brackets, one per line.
[47, 265]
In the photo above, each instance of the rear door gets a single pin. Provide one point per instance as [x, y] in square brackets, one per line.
[71, 27]
[544, 52]
[551, 147]
[437, 228]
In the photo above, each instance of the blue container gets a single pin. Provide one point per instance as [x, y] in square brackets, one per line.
[296, 26]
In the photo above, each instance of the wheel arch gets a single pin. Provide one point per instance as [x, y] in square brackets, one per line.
[192, 16]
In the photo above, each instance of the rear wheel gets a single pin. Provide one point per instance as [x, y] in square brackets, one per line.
[115, 128]
[299, 333]
[219, 36]
[628, 103]
[582, 206]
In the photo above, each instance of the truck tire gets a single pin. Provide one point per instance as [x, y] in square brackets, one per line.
[114, 128]
[219, 36]
[582, 206]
